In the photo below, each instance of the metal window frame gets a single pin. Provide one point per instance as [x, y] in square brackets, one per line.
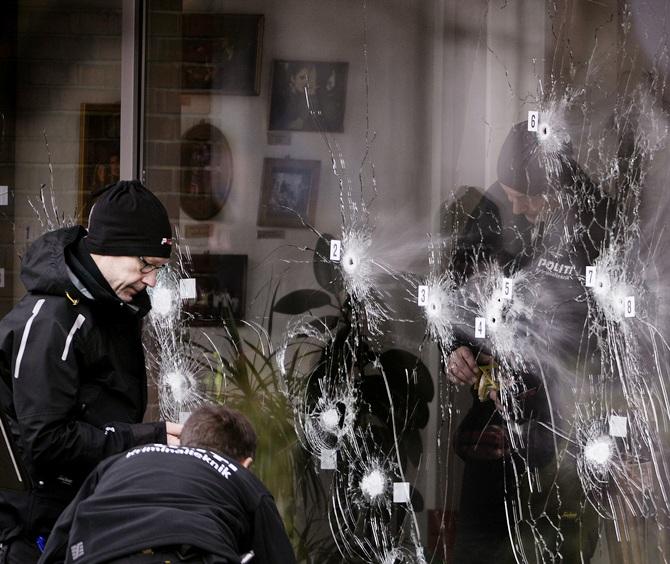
[132, 87]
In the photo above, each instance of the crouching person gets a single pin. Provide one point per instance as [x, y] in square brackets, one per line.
[193, 503]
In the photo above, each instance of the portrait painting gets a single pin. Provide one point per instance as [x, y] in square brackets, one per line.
[99, 151]
[222, 52]
[308, 96]
[288, 193]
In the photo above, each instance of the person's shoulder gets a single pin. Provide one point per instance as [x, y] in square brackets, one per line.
[194, 457]
[254, 486]
[153, 448]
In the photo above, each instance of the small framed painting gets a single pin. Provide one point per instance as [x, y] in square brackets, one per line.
[288, 193]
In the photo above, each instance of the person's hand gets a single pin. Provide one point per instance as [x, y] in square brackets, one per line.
[462, 367]
[173, 431]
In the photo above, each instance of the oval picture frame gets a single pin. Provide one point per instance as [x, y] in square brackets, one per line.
[206, 171]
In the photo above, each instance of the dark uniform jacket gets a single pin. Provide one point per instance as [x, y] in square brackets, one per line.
[72, 379]
[159, 496]
[554, 254]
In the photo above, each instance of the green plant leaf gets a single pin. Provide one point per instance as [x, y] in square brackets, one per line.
[420, 414]
[300, 301]
[272, 305]
[328, 322]
[412, 445]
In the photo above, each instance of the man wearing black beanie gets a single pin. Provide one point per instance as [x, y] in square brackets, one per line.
[73, 386]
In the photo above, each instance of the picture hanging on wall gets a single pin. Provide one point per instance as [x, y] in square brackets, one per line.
[219, 280]
[297, 83]
[288, 193]
[222, 52]
[206, 171]
[99, 152]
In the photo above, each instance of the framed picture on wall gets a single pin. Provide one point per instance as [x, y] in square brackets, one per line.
[219, 279]
[294, 83]
[288, 192]
[206, 171]
[99, 151]
[222, 52]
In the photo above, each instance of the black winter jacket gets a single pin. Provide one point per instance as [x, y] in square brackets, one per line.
[554, 254]
[158, 496]
[72, 379]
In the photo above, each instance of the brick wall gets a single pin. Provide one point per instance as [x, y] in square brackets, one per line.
[163, 105]
[7, 128]
[68, 53]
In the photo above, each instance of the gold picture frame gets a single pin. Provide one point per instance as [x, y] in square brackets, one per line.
[99, 152]
[222, 53]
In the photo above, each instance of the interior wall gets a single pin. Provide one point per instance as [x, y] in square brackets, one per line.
[397, 49]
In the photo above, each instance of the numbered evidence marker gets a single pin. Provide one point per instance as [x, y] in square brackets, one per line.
[335, 250]
[618, 426]
[187, 289]
[533, 120]
[328, 459]
[629, 306]
[480, 327]
[423, 296]
[590, 275]
[400, 492]
[507, 288]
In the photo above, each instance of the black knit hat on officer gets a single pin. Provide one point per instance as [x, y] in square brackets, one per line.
[524, 167]
[129, 220]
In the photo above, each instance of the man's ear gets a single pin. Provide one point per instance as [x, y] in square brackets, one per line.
[247, 462]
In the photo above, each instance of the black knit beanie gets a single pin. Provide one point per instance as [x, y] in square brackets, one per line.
[524, 167]
[128, 220]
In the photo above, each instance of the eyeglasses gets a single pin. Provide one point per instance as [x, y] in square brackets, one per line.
[147, 267]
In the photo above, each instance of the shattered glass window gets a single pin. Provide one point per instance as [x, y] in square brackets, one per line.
[419, 243]
[454, 329]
